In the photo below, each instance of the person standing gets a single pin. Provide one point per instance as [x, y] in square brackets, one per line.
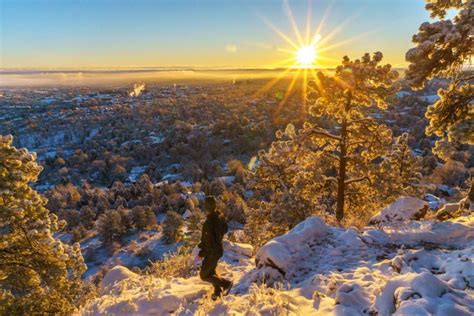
[212, 249]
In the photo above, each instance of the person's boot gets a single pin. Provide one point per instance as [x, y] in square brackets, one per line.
[216, 294]
[227, 287]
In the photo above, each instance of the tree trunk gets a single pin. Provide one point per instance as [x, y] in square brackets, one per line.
[470, 195]
[341, 185]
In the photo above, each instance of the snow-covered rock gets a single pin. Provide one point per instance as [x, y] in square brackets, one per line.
[447, 211]
[239, 248]
[457, 232]
[422, 294]
[404, 208]
[116, 275]
[279, 253]
[434, 202]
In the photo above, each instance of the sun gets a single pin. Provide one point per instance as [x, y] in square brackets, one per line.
[306, 53]
[306, 56]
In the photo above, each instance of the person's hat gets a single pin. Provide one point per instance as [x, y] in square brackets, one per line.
[210, 203]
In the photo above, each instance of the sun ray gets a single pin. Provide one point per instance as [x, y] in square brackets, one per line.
[305, 88]
[280, 33]
[307, 56]
[285, 50]
[271, 83]
[316, 38]
[288, 92]
[288, 62]
[346, 41]
[325, 16]
[339, 28]
[290, 88]
[308, 22]
[294, 26]
[327, 58]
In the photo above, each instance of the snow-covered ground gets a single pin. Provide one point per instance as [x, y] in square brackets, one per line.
[137, 251]
[411, 268]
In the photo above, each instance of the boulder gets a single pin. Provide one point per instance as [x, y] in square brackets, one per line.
[404, 208]
[279, 253]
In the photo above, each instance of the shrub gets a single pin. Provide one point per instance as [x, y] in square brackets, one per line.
[172, 227]
[452, 173]
[142, 217]
[110, 227]
[174, 265]
[234, 207]
[78, 233]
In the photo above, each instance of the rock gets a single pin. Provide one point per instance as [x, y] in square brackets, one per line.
[278, 253]
[241, 249]
[115, 275]
[404, 208]
[447, 211]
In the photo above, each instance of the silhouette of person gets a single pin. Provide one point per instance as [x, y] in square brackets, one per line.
[212, 249]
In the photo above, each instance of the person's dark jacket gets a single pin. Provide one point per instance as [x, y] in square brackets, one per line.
[213, 232]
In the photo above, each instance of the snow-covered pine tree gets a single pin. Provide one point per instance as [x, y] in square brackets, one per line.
[400, 171]
[38, 273]
[110, 227]
[194, 225]
[356, 138]
[286, 179]
[311, 170]
[442, 49]
[142, 217]
[172, 227]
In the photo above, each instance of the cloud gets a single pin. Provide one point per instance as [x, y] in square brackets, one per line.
[231, 48]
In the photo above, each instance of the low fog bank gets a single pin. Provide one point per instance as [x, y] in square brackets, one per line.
[15, 78]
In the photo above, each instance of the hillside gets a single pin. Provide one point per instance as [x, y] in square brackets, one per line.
[404, 267]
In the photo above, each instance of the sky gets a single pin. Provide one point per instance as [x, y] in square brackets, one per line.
[46, 34]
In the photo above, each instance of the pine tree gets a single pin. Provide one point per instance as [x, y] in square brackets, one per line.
[315, 169]
[357, 138]
[259, 228]
[110, 227]
[233, 206]
[400, 170]
[143, 217]
[286, 180]
[172, 227]
[38, 273]
[442, 49]
[194, 225]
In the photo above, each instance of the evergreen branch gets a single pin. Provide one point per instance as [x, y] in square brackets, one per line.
[354, 180]
[361, 120]
[324, 133]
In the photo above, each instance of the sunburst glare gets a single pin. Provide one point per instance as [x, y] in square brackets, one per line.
[306, 56]
[305, 53]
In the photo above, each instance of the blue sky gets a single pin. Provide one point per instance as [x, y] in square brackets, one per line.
[144, 33]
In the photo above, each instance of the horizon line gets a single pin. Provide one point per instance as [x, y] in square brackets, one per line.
[134, 69]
